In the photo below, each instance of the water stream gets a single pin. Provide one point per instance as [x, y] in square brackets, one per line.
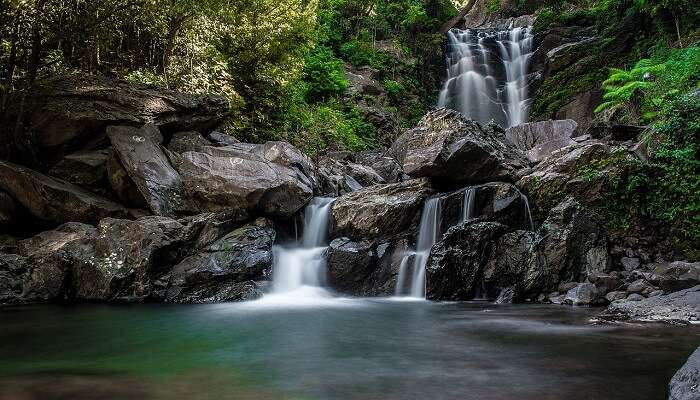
[487, 74]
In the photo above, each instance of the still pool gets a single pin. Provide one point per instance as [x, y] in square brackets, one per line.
[341, 349]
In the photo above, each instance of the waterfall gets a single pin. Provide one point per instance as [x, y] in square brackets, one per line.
[428, 231]
[527, 210]
[301, 269]
[468, 204]
[487, 74]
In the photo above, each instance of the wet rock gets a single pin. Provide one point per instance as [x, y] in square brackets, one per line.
[8, 209]
[122, 185]
[447, 147]
[640, 286]
[72, 113]
[565, 55]
[187, 141]
[605, 283]
[13, 270]
[54, 200]
[635, 297]
[349, 265]
[148, 167]
[506, 296]
[583, 294]
[221, 139]
[226, 269]
[580, 109]
[381, 163]
[237, 179]
[678, 307]
[456, 261]
[341, 176]
[378, 211]
[87, 169]
[685, 384]
[615, 295]
[539, 139]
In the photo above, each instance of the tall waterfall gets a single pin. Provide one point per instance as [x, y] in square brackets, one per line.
[487, 74]
[427, 236]
[300, 270]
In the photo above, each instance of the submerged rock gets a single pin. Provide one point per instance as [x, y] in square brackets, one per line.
[54, 200]
[685, 384]
[378, 211]
[447, 147]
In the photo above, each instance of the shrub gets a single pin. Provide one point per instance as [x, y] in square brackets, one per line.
[324, 74]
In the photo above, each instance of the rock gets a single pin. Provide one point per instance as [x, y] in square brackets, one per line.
[378, 211]
[656, 293]
[640, 286]
[677, 275]
[54, 200]
[384, 165]
[187, 141]
[337, 177]
[515, 264]
[494, 201]
[87, 169]
[566, 286]
[221, 139]
[51, 256]
[565, 55]
[447, 147]
[605, 283]
[72, 113]
[506, 296]
[122, 185]
[357, 268]
[630, 263]
[685, 384]
[539, 139]
[573, 242]
[678, 307]
[615, 295]
[635, 297]
[226, 269]
[13, 269]
[557, 299]
[8, 209]
[455, 262]
[583, 294]
[148, 167]
[580, 109]
[235, 179]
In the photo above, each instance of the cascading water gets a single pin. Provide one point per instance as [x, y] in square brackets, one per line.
[468, 204]
[427, 236]
[487, 74]
[299, 271]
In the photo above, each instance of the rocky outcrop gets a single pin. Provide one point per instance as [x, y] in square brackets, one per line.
[181, 142]
[455, 263]
[148, 167]
[539, 139]
[237, 179]
[72, 113]
[54, 200]
[8, 209]
[13, 271]
[447, 147]
[685, 384]
[677, 275]
[378, 211]
[678, 307]
[226, 269]
[87, 169]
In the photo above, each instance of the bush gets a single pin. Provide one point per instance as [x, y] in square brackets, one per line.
[324, 74]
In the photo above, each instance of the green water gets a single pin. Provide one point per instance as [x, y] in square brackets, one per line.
[355, 349]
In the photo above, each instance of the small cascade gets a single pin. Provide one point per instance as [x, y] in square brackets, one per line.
[301, 269]
[468, 204]
[527, 210]
[427, 236]
[487, 74]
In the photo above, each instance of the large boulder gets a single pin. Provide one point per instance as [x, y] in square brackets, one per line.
[447, 147]
[72, 113]
[54, 200]
[338, 175]
[677, 275]
[539, 139]
[13, 271]
[378, 211]
[457, 260]
[244, 179]
[181, 142]
[87, 169]
[148, 167]
[226, 269]
[574, 243]
[8, 209]
[583, 294]
[678, 307]
[685, 384]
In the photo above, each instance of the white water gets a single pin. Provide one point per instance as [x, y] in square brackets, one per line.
[427, 236]
[298, 274]
[487, 74]
[468, 204]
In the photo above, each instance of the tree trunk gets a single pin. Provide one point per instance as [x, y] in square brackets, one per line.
[454, 21]
[678, 29]
[174, 28]
[35, 57]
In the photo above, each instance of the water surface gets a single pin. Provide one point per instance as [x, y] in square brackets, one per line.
[347, 349]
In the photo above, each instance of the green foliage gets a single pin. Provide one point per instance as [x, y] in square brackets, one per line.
[393, 88]
[324, 74]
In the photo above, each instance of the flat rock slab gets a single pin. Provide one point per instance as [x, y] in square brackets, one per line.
[678, 307]
[540, 139]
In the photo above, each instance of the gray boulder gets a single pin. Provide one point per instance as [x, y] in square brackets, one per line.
[54, 200]
[226, 269]
[447, 147]
[685, 384]
[148, 167]
[378, 211]
[13, 271]
[181, 142]
[87, 169]
[8, 209]
[540, 139]
[584, 294]
[677, 275]
[678, 307]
